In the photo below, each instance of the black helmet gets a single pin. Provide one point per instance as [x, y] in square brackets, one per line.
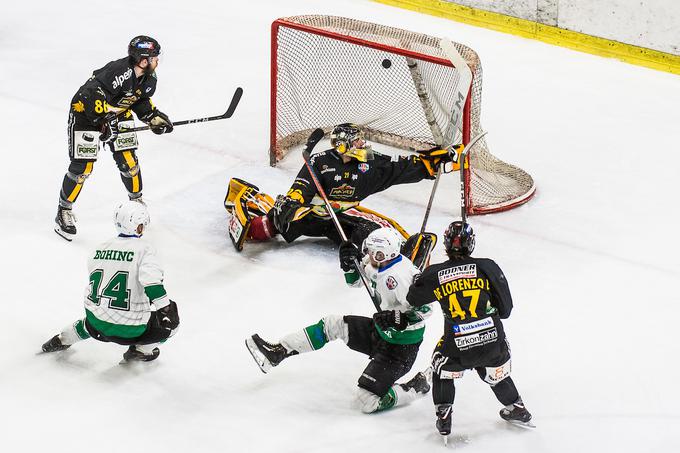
[142, 47]
[348, 139]
[459, 239]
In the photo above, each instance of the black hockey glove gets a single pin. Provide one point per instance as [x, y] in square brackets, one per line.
[284, 211]
[390, 318]
[348, 252]
[109, 127]
[169, 316]
[158, 122]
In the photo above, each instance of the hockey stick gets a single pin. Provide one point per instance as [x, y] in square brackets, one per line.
[456, 116]
[463, 192]
[311, 143]
[230, 111]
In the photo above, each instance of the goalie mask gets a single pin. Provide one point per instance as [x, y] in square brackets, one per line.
[128, 216]
[459, 239]
[383, 244]
[348, 139]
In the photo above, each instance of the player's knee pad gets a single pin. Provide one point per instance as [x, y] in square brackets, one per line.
[495, 374]
[335, 328]
[78, 171]
[367, 402]
[127, 163]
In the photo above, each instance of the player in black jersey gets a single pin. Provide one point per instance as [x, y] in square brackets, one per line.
[474, 297]
[349, 172]
[103, 103]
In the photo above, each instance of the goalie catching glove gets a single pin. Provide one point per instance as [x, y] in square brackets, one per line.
[434, 157]
[390, 318]
[158, 122]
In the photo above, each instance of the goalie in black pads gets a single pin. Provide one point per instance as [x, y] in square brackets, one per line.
[391, 338]
[105, 102]
[474, 297]
[349, 172]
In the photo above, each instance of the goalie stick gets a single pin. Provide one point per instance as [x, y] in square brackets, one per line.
[456, 117]
[313, 139]
[230, 111]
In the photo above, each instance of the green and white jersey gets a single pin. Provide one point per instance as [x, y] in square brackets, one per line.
[391, 284]
[125, 279]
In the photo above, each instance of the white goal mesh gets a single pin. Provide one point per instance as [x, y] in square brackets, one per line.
[328, 70]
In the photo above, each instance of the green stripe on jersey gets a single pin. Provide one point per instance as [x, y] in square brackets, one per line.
[114, 330]
[154, 292]
[351, 277]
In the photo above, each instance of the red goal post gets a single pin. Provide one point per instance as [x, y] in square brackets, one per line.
[327, 70]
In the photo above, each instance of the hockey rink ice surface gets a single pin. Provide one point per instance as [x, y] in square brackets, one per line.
[592, 260]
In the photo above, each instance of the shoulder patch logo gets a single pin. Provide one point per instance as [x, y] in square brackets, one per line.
[78, 107]
[391, 282]
[363, 167]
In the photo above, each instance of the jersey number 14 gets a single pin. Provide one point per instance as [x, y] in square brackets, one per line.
[116, 290]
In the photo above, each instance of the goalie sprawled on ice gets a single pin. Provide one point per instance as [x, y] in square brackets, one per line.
[348, 172]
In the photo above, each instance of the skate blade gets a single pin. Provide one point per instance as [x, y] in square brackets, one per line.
[260, 360]
[445, 438]
[519, 424]
[63, 234]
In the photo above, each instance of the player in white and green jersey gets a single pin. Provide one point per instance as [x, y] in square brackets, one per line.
[125, 300]
[391, 338]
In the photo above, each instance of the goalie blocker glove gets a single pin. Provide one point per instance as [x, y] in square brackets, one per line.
[158, 122]
[436, 156]
[284, 212]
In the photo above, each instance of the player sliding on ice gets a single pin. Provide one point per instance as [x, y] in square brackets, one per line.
[391, 338]
[125, 301]
[474, 297]
[349, 172]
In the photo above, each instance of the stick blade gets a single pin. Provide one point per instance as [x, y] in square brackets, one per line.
[234, 102]
[314, 138]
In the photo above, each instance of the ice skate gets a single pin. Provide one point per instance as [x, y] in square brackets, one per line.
[65, 223]
[266, 355]
[135, 355]
[517, 414]
[420, 382]
[55, 345]
[444, 416]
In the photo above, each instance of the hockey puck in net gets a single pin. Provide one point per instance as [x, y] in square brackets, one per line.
[386, 63]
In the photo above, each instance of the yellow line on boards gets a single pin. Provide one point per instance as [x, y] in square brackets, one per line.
[552, 35]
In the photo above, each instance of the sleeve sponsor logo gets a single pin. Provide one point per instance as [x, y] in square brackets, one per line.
[454, 273]
[391, 282]
[477, 339]
[472, 327]
[302, 181]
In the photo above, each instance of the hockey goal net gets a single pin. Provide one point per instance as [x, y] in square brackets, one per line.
[327, 70]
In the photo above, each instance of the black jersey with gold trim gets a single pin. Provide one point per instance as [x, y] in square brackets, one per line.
[353, 181]
[114, 87]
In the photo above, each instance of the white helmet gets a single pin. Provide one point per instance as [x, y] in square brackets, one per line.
[383, 244]
[128, 216]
